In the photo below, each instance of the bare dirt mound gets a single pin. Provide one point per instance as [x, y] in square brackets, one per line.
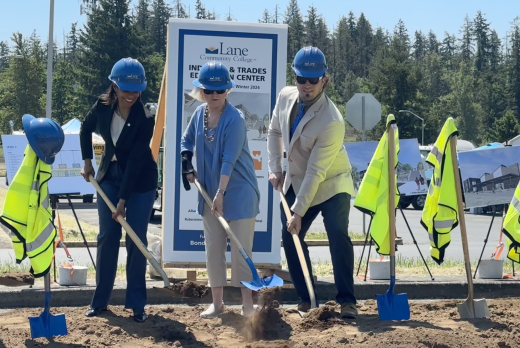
[190, 289]
[434, 324]
[16, 279]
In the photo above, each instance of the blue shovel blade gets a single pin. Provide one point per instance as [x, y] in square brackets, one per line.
[48, 325]
[392, 306]
[267, 282]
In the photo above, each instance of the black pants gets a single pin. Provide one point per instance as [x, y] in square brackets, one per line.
[335, 212]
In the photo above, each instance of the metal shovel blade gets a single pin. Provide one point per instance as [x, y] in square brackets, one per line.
[392, 306]
[48, 325]
[471, 309]
[260, 283]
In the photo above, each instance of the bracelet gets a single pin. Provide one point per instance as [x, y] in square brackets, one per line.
[223, 192]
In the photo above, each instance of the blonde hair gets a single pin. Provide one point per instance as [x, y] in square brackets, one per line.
[198, 93]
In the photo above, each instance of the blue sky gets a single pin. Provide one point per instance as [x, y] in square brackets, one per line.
[440, 16]
[475, 163]
[361, 153]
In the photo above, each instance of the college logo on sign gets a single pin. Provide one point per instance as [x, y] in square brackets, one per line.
[211, 50]
[257, 159]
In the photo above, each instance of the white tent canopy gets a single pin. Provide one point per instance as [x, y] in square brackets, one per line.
[74, 126]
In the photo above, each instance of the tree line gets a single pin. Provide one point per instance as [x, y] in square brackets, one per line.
[472, 76]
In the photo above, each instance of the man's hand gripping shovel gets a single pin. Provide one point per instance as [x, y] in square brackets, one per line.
[299, 250]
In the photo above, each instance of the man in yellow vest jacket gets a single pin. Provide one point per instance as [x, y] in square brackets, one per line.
[27, 211]
[440, 211]
[373, 194]
[512, 227]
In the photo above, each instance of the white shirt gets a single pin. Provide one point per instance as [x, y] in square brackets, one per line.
[115, 129]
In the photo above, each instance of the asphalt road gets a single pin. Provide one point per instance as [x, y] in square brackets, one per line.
[477, 227]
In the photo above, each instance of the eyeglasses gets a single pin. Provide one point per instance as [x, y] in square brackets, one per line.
[312, 80]
[208, 91]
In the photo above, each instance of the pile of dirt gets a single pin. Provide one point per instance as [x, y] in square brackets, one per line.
[433, 324]
[190, 289]
[16, 279]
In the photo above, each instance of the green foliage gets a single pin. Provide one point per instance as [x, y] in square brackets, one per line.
[473, 76]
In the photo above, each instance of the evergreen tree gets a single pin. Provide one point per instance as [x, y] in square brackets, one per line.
[266, 17]
[466, 43]
[4, 52]
[143, 15]
[419, 46]
[311, 27]
[200, 10]
[73, 43]
[161, 13]
[107, 37]
[179, 10]
[296, 33]
[364, 45]
[481, 32]
[505, 128]
[433, 43]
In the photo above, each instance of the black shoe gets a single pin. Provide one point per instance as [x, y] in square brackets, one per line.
[140, 317]
[94, 312]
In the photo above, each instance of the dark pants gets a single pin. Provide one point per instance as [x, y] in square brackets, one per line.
[138, 211]
[335, 212]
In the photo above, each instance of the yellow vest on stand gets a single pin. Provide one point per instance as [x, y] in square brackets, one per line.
[512, 227]
[373, 194]
[28, 214]
[440, 213]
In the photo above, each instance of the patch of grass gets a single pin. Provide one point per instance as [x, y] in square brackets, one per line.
[323, 236]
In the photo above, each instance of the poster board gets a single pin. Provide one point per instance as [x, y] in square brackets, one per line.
[66, 169]
[411, 176]
[489, 177]
[256, 56]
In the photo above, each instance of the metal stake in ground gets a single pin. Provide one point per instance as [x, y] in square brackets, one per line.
[81, 230]
[485, 241]
[470, 308]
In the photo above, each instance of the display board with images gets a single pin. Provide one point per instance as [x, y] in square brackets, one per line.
[411, 176]
[255, 56]
[66, 169]
[489, 177]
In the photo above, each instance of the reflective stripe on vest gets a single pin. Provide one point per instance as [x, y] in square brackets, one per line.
[372, 196]
[440, 213]
[28, 214]
[512, 227]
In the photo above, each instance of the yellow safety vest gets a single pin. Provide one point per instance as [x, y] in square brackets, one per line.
[28, 214]
[440, 213]
[512, 227]
[373, 194]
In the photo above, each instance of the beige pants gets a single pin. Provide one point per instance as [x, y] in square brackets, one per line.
[216, 245]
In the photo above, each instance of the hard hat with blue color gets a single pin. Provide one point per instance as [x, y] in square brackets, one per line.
[214, 76]
[309, 62]
[128, 74]
[45, 137]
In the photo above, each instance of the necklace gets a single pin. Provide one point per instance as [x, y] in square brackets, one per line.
[209, 137]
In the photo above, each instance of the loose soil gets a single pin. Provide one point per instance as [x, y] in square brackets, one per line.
[16, 279]
[433, 324]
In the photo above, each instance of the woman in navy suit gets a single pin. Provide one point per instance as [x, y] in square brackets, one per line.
[128, 176]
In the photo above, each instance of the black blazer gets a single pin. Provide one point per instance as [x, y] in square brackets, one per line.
[133, 152]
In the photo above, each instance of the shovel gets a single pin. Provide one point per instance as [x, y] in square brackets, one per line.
[470, 308]
[257, 283]
[48, 325]
[392, 306]
[299, 250]
[167, 287]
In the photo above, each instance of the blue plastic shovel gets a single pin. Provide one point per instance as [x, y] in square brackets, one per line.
[257, 283]
[392, 306]
[48, 325]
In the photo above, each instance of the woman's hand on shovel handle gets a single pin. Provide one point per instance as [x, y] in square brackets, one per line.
[120, 210]
[88, 170]
[295, 222]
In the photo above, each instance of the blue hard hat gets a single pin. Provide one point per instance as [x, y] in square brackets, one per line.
[309, 62]
[214, 76]
[45, 137]
[128, 74]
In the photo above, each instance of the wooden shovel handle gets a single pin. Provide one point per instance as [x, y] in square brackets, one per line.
[299, 250]
[219, 216]
[467, 262]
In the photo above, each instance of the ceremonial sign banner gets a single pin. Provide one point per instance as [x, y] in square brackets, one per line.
[255, 55]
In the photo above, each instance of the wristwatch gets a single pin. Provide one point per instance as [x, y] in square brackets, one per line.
[223, 192]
